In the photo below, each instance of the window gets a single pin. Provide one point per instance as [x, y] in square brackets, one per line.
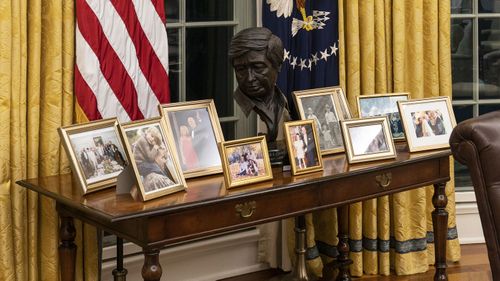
[475, 54]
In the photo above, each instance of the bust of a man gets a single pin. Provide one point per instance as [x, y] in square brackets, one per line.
[256, 55]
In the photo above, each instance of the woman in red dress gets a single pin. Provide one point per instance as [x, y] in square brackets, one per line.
[188, 154]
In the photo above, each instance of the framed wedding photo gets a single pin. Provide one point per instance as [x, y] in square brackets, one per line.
[196, 131]
[153, 158]
[96, 153]
[245, 161]
[384, 105]
[326, 106]
[427, 122]
[302, 142]
[368, 139]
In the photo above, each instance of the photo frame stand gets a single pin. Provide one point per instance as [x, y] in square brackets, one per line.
[278, 154]
[125, 181]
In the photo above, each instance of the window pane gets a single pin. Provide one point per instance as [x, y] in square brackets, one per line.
[489, 58]
[172, 11]
[462, 177]
[463, 112]
[486, 108]
[209, 10]
[461, 58]
[209, 75]
[228, 129]
[174, 63]
[461, 6]
[489, 6]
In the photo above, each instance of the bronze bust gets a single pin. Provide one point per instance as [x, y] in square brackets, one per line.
[256, 55]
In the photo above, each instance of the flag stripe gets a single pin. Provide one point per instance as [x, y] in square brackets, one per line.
[154, 29]
[159, 7]
[110, 64]
[114, 29]
[149, 63]
[87, 63]
[85, 97]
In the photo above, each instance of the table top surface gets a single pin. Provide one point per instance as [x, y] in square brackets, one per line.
[208, 189]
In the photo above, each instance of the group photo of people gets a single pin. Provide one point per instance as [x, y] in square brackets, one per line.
[428, 123]
[321, 110]
[100, 155]
[152, 157]
[195, 139]
[303, 146]
[245, 161]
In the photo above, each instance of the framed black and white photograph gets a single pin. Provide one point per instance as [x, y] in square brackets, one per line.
[384, 105]
[196, 131]
[302, 142]
[96, 153]
[245, 161]
[326, 106]
[368, 139]
[153, 158]
[427, 122]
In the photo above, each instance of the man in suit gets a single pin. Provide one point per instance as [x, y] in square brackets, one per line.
[310, 150]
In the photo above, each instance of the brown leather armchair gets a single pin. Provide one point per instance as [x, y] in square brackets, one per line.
[476, 143]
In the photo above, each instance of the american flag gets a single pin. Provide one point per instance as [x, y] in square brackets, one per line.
[121, 65]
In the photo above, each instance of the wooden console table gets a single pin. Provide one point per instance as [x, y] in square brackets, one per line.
[207, 208]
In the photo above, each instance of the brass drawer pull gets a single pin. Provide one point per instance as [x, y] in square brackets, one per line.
[246, 210]
[384, 180]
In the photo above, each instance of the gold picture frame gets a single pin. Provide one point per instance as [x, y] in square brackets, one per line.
[95, 152]
[196, 131]
[384, 105]
[302, 143]
[154, 160]
[313, 103]
[427, 122]
[368, 139]
[245, 161]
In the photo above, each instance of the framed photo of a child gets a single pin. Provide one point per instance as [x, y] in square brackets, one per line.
[153, 158]
[245, 161]
[427, 122]
[302, 142]
[196, 132]
[96, 153]
[326, 106]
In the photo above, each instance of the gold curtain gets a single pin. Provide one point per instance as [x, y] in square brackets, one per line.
[390, 46]
[36, 97]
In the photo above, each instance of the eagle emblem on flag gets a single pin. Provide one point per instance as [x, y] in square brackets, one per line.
[284, 8]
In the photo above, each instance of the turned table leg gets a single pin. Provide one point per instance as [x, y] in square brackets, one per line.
[67, 248]
[151, 270]
[343, 245]
[440, 225]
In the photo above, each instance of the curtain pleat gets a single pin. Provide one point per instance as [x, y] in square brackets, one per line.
[390, 46]
[36, 97]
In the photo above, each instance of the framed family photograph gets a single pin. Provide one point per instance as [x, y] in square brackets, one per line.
[384, 105]
[245, 161]
[96, 153]
[302, 142]
[196, 132]
[427, 122]
[153, 158]
[326, 106]
[368, 139]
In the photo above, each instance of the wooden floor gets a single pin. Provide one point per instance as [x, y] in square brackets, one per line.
[473, 266]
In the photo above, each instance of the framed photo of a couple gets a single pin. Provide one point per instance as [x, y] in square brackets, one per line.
[245, 161]
[427, 122]
[368, 139]
[153, 158]
[196, 132]
[96, 153]
[302, 142]
[326, 106]
[384, 105]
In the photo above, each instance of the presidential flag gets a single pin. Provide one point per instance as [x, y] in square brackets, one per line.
[121, 65]
[309, 31]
